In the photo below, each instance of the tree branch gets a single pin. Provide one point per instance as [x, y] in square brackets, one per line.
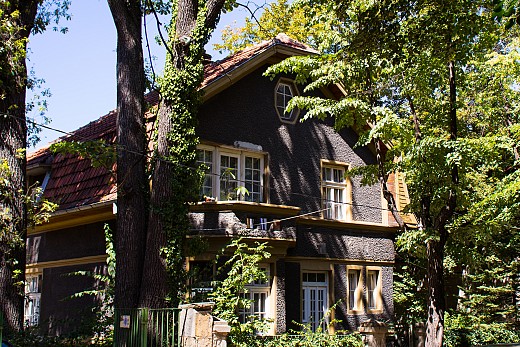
[214, 9]
[150, 6]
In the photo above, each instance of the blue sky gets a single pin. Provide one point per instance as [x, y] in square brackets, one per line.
[79, 67]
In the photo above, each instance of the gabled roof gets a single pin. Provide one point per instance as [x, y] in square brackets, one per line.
[75, 183]
[220, 74]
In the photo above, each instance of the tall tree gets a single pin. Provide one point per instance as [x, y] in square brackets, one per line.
[405, 68]
[150, 241]
[281, 17]
[132, 185]
[18, 19]
[192, 24]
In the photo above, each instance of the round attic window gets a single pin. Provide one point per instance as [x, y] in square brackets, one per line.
[285, 90]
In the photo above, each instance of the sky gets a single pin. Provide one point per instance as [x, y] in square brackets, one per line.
[79, 67]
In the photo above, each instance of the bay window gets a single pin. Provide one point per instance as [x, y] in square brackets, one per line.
[232, 174]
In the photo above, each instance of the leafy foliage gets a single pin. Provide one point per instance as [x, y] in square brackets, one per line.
[437, 80]
[309, 338]
[242, 269]
[463, 330]
[313, 24]
[100, 153]
[507, 9]
[228, 295]
[39, 209]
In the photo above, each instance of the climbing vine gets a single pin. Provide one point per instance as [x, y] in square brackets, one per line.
[179, 87]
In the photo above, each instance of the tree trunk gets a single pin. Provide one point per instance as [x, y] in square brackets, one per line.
[435, 248]
[173, 182]
[154, 279]
[130, 236]
[13, 127]
[12, 243]
[436, 301]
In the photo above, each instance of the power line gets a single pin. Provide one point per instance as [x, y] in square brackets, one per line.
[155, 157]
[268, 223]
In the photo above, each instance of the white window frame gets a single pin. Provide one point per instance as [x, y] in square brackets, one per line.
[374, 289]
[32, 300]
[209, 169]
[339, 207]
[355, 289]
[258, 288]
[222, 176]
[285, 117]
[216, 175]
[308, 289]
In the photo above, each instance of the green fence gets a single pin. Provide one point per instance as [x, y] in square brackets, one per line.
[144, 327]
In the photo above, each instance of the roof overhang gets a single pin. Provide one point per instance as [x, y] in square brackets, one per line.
[72, 217]
[279, 51]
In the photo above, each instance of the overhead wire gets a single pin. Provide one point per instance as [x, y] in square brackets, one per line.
[165, 160]
[270, 222]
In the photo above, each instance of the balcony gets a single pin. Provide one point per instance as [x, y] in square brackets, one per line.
[218, 221]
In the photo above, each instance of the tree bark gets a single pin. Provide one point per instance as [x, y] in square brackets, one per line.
[435, 248]
[130, 236]
[154, 278]
[177, 114]
[436, 301]
[13, 127]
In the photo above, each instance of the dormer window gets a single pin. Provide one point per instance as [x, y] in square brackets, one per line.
[284, 92]
[38, 175]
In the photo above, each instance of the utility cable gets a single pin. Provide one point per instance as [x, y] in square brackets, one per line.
[154, 157]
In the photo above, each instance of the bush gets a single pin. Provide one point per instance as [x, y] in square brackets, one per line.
[309, 338]
[305, 338]
[462, 330]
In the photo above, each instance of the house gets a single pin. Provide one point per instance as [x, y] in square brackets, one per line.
[331, 238]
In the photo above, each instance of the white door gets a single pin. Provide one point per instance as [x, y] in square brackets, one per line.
[315, 300]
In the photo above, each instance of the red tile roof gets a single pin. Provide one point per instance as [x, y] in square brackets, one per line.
[218, 69]
[74, 182]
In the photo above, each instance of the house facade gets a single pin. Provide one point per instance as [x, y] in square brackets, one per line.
[331, 238]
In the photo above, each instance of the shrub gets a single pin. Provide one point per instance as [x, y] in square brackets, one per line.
[464, 330]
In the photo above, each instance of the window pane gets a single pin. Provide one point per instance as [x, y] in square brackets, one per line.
[228, 177]
[284, 94]
[338, 175]
[205, 157]
[372, 276]
[333, 193]
[353, 283]
[252, 178]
